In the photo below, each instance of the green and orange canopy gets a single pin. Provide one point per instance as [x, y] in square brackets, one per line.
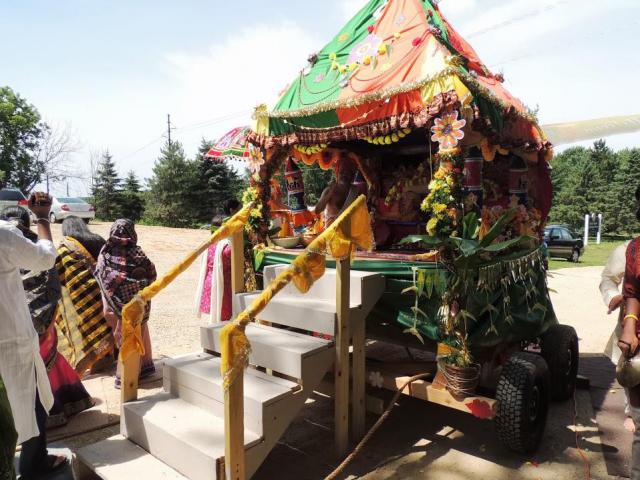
[397, 64]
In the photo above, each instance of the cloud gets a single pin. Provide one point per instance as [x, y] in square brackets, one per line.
[350, 7]
[449, 7]
[247, 68]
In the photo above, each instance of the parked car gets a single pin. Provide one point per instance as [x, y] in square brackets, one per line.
[10, 197]
[563, 243]
[63, 207]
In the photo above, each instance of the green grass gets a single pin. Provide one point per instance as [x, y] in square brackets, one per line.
[593, 256]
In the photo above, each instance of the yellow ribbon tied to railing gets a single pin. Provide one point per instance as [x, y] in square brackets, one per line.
[351, 229]
[133, 312]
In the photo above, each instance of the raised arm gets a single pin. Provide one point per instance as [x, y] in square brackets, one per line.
[612, 277]
[324, 199]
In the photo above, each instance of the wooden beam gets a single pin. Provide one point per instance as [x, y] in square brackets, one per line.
[234, 462]
[478, 406]
[129, 371]
[341, 366]
[358, 379]
[237, 262]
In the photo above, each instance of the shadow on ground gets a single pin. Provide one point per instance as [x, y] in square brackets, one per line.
[421, 440]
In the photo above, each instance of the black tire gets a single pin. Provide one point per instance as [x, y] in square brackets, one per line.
[575, 256]
[87, 220]
[561, 352]
[523, 402]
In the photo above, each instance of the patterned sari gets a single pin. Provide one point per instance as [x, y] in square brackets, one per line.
[83, 334]
[43, 292]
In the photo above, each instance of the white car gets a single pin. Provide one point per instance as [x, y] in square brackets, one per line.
[63, 207]
[11, 197]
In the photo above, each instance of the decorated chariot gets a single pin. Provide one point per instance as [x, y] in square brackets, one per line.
[420, 268]
[455, 171]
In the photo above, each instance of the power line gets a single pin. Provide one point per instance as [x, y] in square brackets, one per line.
[155, 140]
[517, 18]
[212, 121]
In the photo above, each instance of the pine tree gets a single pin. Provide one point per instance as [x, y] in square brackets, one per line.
[132, 203]
[106, 189]
[215, 183]
[169, 198]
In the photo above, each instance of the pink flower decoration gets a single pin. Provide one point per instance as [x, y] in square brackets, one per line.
[368, 47]
[256, 160]
[370, 28]
[416, 41]
[447, 131]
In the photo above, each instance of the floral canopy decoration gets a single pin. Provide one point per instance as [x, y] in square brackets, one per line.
[397, 64]
[447, 130]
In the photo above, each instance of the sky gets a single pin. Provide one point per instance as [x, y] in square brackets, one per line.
[114, 69]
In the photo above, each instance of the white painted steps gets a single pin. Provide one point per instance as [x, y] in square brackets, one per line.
[277, 349]
[185, 437]
[118, 458]
[183, 427]
[196, 378]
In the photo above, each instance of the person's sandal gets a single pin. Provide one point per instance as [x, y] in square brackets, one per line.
[55, 463]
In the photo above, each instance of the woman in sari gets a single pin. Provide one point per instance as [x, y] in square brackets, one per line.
[628, 341]
[83, 333]
[42, 290]
[123, 269]
[213, 296]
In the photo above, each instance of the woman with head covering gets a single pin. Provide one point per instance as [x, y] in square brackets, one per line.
[213, 297]
[42, 290]
[123, 270]
[84, 337]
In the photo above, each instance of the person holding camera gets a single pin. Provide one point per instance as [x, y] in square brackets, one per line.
[21, 367]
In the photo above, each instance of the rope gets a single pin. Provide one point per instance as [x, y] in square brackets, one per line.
[458, 385]
[333, 475]
[587, 466]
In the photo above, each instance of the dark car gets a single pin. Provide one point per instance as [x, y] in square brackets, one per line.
[563, 243]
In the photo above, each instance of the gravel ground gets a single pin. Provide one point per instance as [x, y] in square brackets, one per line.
[174, 325]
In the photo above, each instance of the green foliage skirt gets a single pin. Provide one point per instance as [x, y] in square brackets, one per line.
[8, 437]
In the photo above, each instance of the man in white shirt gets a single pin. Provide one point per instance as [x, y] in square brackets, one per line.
[21, 367]
[612, 277]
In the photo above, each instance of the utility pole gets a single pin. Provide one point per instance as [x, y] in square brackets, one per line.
[67, 188]
[169, 128]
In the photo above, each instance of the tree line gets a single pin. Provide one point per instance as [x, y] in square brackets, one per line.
[31, 150]
[181, 192]
[596, 180]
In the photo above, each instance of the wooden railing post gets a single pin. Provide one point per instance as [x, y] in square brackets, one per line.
[237, 262]
[234, 396]
[358, 407]
[341, 368]
[129, 371]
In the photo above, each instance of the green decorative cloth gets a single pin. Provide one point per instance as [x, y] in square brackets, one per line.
[509, 299]
[8, 437]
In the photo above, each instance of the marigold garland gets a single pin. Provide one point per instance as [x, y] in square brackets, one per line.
[442, 204]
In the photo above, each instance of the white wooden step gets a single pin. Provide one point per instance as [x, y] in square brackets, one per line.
[196, 379]
[305, 313]
[365, 287]
[117, 458]
[185, 437]
[274, 348]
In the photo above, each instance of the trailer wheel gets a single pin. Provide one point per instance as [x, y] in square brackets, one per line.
[523, 402]
[560, 350]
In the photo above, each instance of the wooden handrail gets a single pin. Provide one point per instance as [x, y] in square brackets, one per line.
[129, 362]
[234, 398]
